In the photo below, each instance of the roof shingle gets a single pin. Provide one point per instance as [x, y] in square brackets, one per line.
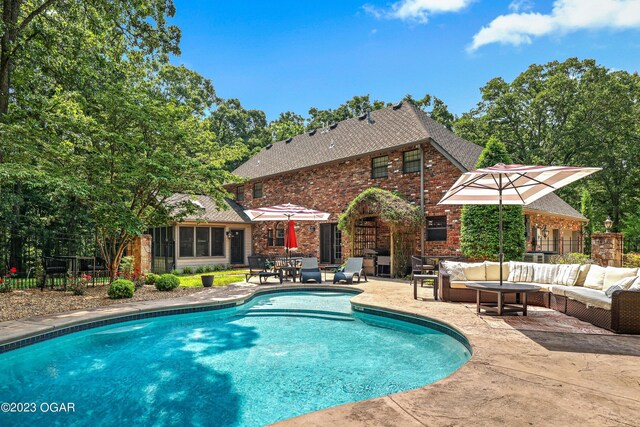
[210, 212]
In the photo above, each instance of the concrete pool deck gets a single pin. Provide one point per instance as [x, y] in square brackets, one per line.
[549, 369]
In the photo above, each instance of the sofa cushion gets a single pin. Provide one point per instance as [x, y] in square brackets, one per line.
[493, 270]
[560, 289]
[590, 297]
[462, 284]
[544, 273]
[474, 271]
[520, 271]
[454, 269]
[567, 274]
[635, 286]
[582, 275]
[613, 275]
[595, 277]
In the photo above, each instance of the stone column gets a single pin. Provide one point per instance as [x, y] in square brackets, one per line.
[140, 250]
[607, 249]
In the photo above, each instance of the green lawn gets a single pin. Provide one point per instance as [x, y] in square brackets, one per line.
[222, 278]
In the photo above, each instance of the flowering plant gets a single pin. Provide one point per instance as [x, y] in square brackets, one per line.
[79, 286]
[129, 273]
[6, 283]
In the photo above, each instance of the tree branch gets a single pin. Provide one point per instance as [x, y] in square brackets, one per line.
[37, 11]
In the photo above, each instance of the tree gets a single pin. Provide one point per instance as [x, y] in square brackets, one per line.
[586, 209]
[245, 131]
[569, 113]
[479, 238]
[288, 124]
[353, 107]
[148, 140]
[435, 108]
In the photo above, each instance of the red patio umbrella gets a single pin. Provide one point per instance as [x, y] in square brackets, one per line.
[290, 239]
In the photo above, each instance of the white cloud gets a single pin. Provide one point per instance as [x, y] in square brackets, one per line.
[566, 16]
[417, 10]
[520, 5]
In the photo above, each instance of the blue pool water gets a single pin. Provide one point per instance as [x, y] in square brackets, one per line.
[279, 356]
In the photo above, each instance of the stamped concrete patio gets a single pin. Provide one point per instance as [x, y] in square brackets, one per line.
[548, 369]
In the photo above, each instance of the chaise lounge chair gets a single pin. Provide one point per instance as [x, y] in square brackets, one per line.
[310, 270]
[350, 270]
[258, 267]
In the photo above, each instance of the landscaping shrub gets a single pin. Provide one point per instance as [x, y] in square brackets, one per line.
[175, 271]
[79, 286]
[167, 282]
[570, 258]
[151, 279]
[632, 260]
[210, 268]
[201, 269]
[187, 270]
[121, 288]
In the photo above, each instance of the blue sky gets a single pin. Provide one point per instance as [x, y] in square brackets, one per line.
[291, 55]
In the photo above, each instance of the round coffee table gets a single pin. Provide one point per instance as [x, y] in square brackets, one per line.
[520, 289]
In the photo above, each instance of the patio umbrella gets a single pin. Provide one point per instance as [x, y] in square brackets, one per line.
[287, 212]
[510, 185]
[290, 239]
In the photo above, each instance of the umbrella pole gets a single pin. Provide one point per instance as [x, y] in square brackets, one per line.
[501, 255]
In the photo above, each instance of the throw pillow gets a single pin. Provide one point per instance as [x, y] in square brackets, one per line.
[613, 274]
[584, 270]
[595, 277]
[474, 271]
[609, 292]
[622, 284]
[520, 271]
[544, 273]
[635, 286]
[493, 270]
[454, 269]
[567, 274]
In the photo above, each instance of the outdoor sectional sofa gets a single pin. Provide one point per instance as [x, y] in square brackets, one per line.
[576, 290]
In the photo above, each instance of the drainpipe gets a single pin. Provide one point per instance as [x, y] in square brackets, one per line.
[422, 236]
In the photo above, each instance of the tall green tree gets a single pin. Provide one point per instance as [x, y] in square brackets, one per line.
[586, 209]
[479, 238]
[574, 112]
[287, 124]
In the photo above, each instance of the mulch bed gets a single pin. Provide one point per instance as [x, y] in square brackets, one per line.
[33, 302]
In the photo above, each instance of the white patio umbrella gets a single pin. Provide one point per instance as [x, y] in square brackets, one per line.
[287, 212]
[510, 185]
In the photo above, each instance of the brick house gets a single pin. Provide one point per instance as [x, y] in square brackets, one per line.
[397, 148]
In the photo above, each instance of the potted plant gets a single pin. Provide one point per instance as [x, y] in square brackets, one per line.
[207, 280]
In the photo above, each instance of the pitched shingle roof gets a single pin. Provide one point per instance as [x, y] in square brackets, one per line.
[209, 211]
[390, 128]
[553, 204]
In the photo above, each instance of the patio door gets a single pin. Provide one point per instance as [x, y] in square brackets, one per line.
[237, 247]
[330, 244]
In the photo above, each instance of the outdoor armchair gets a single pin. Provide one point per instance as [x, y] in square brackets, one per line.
[310, 270]
[352, 269]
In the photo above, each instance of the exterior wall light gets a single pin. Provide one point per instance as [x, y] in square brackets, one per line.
[607, 224]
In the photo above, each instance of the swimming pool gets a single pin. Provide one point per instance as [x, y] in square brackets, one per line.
[276, 357]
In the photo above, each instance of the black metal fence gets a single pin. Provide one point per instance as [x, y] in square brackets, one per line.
[558, 246]
[26, 253]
